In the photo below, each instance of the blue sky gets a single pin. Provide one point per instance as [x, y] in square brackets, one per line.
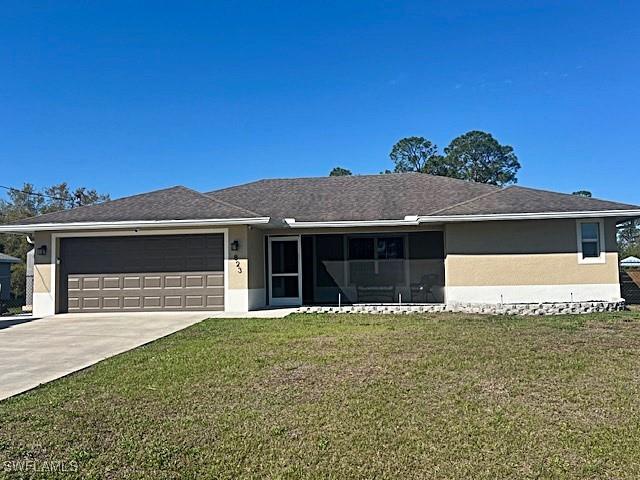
[129, 96]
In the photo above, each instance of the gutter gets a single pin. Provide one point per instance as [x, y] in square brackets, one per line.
[527, 216]
[83, 226]
[412, 220]
[408, 220]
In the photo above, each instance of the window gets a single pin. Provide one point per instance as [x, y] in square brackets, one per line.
[376, 260]
[590, 240]
[590, 243]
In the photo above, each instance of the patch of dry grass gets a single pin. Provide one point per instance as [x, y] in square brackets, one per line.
[434, 396]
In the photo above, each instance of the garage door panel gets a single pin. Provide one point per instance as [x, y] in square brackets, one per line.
[74, 284]
[130, 303]
[90, 283]
[215, 280]
[143, 273]
[90, 303]
[173, 281]
[74, 304]
[130, 282]
[111, 303]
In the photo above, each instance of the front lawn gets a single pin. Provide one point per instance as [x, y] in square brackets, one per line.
[362, 396]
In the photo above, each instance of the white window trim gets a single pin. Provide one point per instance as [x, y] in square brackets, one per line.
[603, 254]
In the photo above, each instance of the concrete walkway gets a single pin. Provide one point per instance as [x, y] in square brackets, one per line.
[35, 351]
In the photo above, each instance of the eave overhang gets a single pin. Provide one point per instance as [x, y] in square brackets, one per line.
[138, 224]
[425, 219]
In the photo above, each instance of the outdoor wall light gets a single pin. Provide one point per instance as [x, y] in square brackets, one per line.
[42, 250]
[235, 245]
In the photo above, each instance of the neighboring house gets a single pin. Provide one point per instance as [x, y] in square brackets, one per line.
[5, 275]
[365, 239]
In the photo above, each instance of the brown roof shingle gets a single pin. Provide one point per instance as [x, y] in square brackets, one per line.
[358, 197]
[175, 203]
[349, 198]
[394, 196]
[516, 199]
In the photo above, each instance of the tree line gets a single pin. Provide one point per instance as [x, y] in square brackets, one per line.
[29, 201]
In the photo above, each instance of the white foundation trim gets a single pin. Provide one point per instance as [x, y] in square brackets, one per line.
[44, 304]
[533, 293]
[54, 255]
[236, 300]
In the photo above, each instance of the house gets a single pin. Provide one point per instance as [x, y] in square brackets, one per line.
[411, 238]
[5, 275]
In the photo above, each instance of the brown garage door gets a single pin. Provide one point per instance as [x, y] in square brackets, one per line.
[142, 273]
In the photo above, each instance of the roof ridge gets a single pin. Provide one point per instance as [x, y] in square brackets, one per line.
[222, 202]
[494, 192]
[351, 177]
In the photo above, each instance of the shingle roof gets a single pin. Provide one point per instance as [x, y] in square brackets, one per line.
[176, 203]
[394, 196]
[4, 258]
[358, 197]
[348, 198]
[514, 199]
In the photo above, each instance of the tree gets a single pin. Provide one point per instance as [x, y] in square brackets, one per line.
[629, 239]
[478, 157]
[413, 154]
[28, 202]
[339, 172]
[582, 193]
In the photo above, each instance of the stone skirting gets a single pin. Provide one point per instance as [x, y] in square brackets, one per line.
[487, 309]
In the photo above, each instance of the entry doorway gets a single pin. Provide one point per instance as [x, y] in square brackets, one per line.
[285, 279]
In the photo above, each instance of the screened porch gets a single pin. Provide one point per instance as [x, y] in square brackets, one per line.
[358, 268]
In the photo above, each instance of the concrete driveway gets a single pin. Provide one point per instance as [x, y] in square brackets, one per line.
[35, 351]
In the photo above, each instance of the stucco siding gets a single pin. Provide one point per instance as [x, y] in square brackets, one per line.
[42, 264]
[523, 253]
[238, 267]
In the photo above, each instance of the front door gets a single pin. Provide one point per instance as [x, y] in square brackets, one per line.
[285, 280]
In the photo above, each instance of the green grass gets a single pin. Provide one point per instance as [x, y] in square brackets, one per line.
[433, 396]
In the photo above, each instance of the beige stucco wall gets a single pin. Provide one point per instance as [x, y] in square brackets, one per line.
[238, 269]
[42, 264]
[542, 252]
[246, 273]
